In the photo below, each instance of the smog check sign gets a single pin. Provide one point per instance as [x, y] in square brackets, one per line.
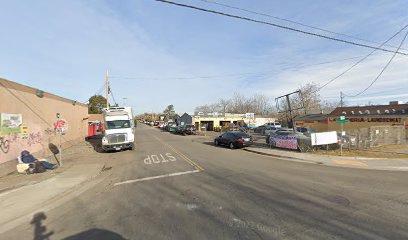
[61, 126]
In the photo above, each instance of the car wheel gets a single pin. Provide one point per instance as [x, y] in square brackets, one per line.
[231, 145]
[216, 143]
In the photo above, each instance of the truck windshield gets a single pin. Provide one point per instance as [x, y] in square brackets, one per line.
[117, 124]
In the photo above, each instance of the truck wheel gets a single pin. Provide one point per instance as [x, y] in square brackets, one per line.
[132, 147]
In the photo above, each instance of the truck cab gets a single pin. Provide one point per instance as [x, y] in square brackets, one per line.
[119, 129]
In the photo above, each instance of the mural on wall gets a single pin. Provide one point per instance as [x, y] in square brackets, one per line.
[10, 123]
[16, 136]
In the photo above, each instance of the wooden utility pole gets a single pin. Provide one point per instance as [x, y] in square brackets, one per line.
[289, 106]
[107, 89]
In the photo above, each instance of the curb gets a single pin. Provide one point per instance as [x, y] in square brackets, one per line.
[294, 159]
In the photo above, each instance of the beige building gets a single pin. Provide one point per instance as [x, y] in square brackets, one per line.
[27, 117]
[358, 117]
[212, 121]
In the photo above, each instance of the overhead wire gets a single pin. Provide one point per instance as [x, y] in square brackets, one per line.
[291, 21]
[234, 74]
[98, 92]
[382, 71]
[113, 97]
[279, 26]
[364, 58]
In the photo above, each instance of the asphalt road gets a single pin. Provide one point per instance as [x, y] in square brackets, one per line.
[175, 187]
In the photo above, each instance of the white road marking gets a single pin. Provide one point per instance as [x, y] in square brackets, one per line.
[156, 177]
[155, 158]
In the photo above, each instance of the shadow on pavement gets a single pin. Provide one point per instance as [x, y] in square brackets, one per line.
[40, 231]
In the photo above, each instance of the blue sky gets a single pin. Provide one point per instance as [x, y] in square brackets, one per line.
[160, 54]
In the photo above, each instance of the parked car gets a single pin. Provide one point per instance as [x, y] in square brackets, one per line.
[189, 129]
[273, 124]
[234, 140]
[260, 129]
[270, 129]
[172, 127]
[305, 130]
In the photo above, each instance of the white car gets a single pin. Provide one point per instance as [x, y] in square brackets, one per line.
[271, 129]
[273, 124]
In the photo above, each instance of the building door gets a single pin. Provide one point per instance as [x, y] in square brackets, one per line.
[208, 124]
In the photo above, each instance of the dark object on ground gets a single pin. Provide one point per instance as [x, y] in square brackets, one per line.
[36, 167]
[26, 157]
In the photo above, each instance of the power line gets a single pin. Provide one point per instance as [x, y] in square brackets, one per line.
[291, 21]
[364, 58]
[279, 26]
[113, 97]
[98, 92]
[233, 74]
[382, 71]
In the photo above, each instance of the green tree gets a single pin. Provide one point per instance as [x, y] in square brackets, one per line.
[169, 111]
[96, 103]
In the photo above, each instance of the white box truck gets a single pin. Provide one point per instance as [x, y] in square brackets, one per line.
[119, 129]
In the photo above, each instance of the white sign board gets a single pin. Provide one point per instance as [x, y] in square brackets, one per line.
[324, 138]
[250, 115]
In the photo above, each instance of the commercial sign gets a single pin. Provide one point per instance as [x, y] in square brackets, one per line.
[289, 142]
[342, 121]
[250, 115]
[10, 123]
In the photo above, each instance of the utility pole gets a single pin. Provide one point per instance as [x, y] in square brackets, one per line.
[107, 89]
[290, 111]
[289, 106]
[341, 99]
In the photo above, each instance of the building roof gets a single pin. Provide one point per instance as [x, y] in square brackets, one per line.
[24, 88]
[374, 110]
[312, 117]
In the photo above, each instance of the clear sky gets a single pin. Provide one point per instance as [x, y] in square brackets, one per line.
[160, 54]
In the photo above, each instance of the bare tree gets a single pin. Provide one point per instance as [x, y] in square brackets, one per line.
[308, 101]
[239, 103]
[224, 104]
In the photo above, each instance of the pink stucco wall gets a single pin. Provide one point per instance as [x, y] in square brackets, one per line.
[38, 115]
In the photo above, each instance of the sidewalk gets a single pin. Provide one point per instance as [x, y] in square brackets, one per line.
[259, 147]
[391, 164]
[23, 195]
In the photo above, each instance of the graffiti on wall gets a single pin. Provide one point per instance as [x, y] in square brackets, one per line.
[6, 141]
[49, 131]
[34, 138]
[4, 145]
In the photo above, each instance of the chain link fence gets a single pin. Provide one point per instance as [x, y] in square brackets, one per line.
[365, 138]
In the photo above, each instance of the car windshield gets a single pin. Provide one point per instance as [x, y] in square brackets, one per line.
[117, 124]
